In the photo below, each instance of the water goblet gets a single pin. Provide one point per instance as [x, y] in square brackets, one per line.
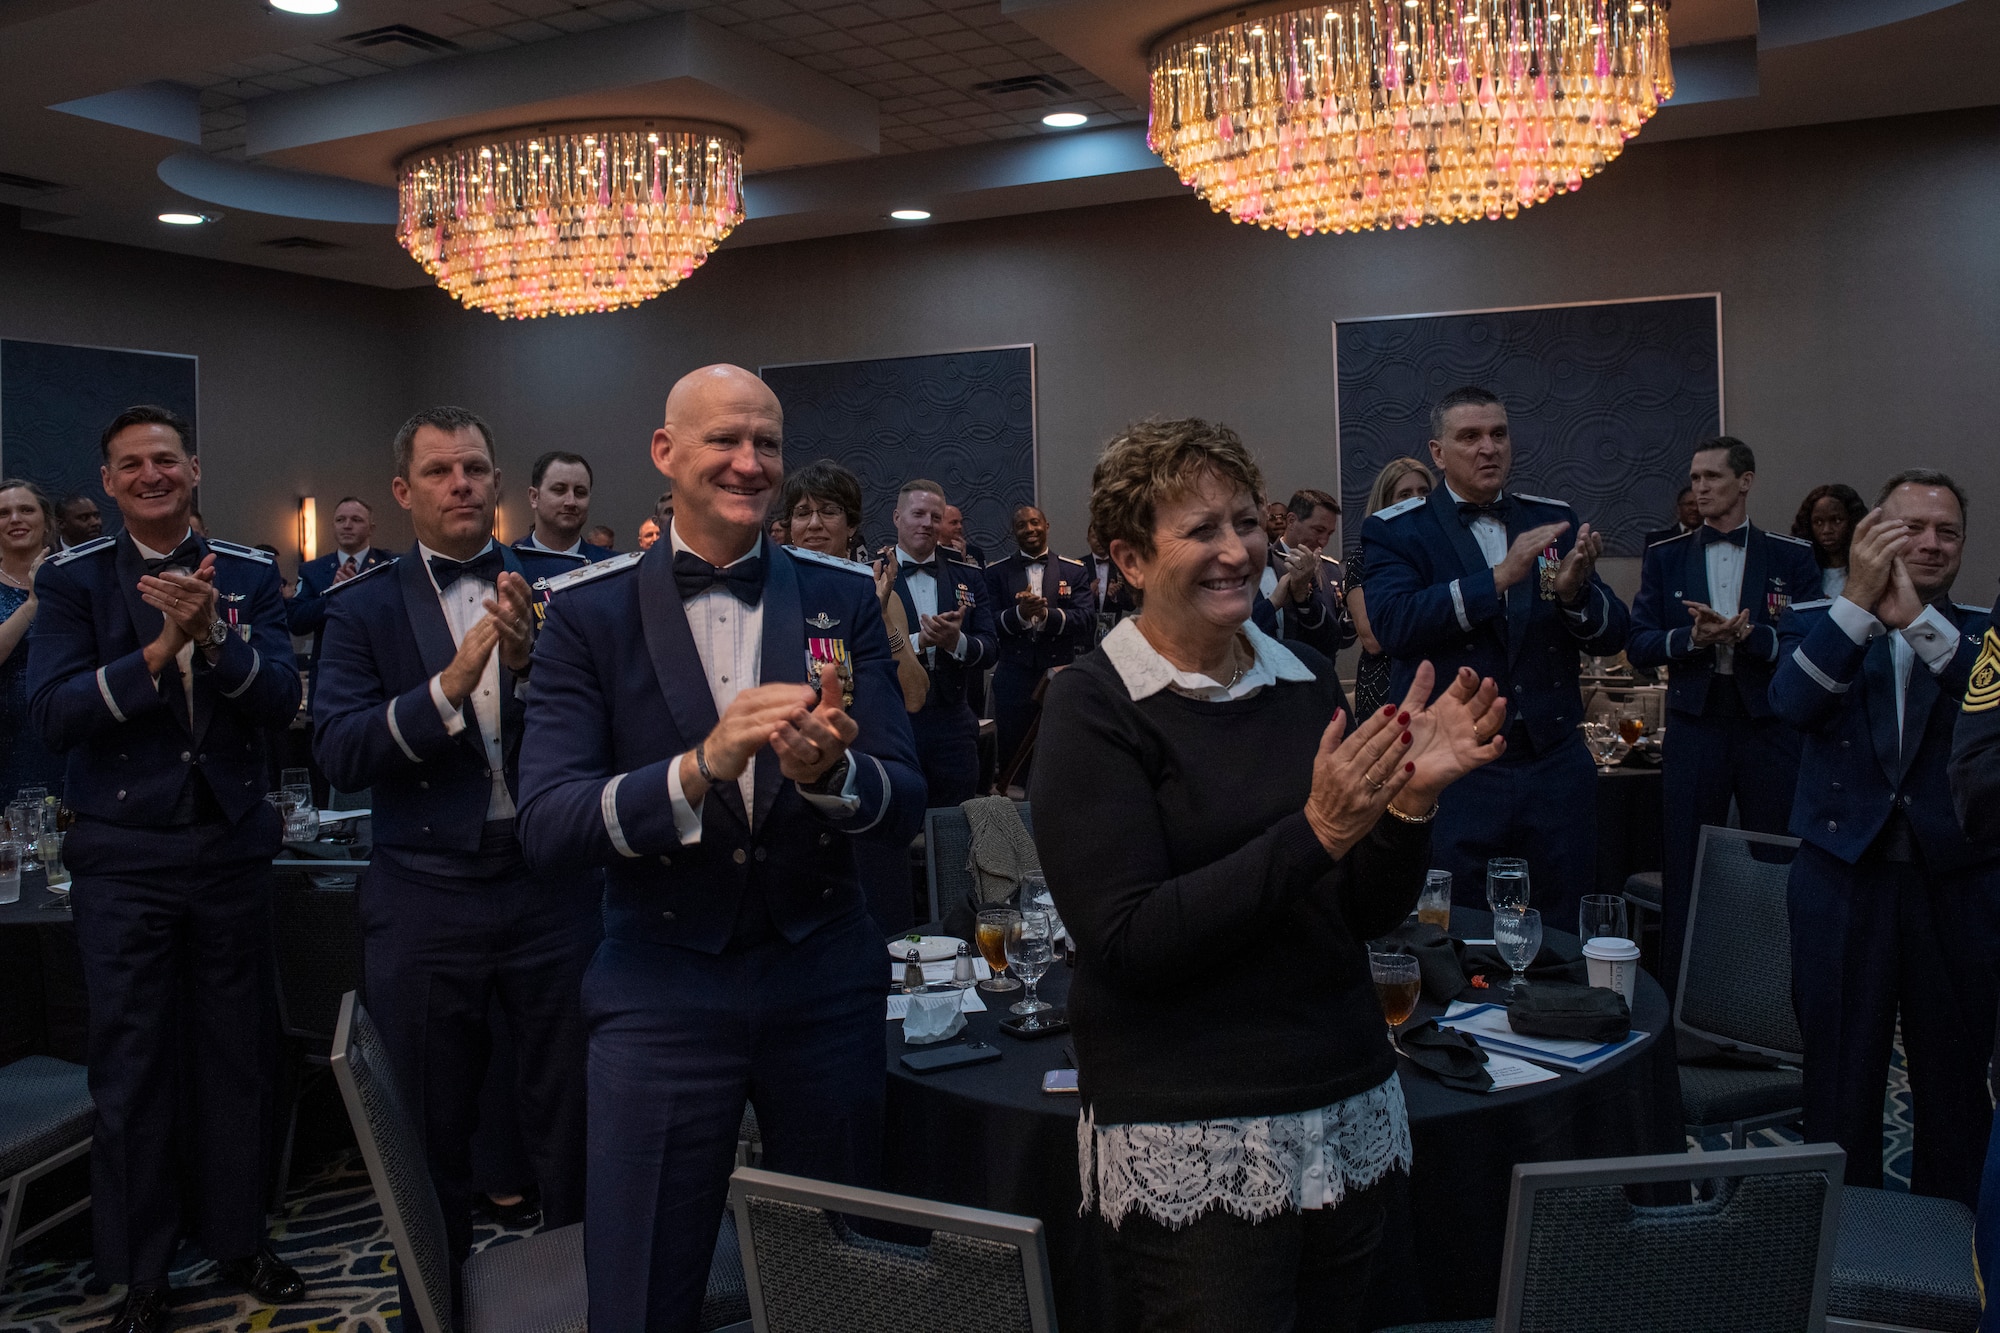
[1602, 916]
[1518, 937]
[1507, 884]
[1030, 950]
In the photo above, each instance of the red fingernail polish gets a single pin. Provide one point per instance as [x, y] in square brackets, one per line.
[1406, 738]
[1409, 768]
[1388, 709]
[1404, 720]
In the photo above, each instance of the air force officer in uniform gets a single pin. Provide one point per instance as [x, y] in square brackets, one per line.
[715, 721]
[945, 597]
[1894, 909]
[158, 663]
[1708, 608]
[1505, 584]
[1048, 613]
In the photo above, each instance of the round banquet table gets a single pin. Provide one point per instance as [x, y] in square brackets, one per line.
[987, 1136]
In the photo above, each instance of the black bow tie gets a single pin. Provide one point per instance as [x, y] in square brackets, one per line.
[694, 576]
[187, 556]
[1468, 511]
[929, 567]
[1709, 536]
[485, 566]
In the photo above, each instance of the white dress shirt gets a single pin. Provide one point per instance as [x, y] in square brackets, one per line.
[1487, 530]
[1929, 638]
[1725, 590]
[1833, 582]
[574, 548]
[464, 604]
[184, 659]
[924, 592]
[729, 639]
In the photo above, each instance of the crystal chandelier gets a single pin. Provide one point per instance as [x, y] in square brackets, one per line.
[1394, 113]
[570, 218]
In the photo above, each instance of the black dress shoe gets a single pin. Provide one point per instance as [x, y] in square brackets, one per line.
[516, 1214]
[266, 1276]
[144, 1310]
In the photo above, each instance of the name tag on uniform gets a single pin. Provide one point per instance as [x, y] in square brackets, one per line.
[824, 653]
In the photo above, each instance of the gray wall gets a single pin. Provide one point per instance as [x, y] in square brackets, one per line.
[1858, 266]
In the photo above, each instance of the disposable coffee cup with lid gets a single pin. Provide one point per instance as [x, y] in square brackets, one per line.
[1613, 964]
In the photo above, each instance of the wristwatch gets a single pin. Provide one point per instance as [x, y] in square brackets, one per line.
[218, 634]
[830, 782]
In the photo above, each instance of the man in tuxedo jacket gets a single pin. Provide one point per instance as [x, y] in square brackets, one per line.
[1895, 910]
[1505, 583]
[419, 697]
[1708, 608]
[159, 663]
[1687, 518]
[946, 598]
[1047, 613]
[718, 723]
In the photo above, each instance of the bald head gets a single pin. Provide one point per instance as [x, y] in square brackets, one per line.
[721, 446]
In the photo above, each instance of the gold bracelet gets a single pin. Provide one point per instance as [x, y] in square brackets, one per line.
[1413, 819]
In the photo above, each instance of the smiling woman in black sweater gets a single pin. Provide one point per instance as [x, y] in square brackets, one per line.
[1240, 1103]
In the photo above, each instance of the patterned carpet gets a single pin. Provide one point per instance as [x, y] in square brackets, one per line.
[332, 1231]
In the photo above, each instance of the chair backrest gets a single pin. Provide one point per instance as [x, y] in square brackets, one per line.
[809, 1272]
[947, 842]
[1756, 1257]
[317, 946]
[1736, 980]
[394, 1155]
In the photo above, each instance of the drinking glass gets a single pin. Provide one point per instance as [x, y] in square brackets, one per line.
[1602, 917]
[50, 848]
[1507, 884]
[1434, 904]
[1031, 948]
[995, 923]
[1631, 726]
[1518, 937]
[296, 777]
[1397, 983]
[10, 871]
[24, 826]
[1603, 742]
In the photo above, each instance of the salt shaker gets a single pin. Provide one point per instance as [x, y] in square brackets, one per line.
[961, 969]
[913, 971]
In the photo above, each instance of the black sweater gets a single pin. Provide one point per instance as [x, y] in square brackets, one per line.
[1222, 963]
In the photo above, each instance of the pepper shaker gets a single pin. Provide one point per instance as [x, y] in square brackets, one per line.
[913, 971]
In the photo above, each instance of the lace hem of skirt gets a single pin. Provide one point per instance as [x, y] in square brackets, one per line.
[1256, 1168]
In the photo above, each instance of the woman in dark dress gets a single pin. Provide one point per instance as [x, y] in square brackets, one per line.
[25, 523]
[1222, 842]
[1826, 518]
[1402, 479]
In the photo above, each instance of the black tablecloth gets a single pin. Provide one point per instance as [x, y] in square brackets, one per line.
[1628, 825]
[988, 1137]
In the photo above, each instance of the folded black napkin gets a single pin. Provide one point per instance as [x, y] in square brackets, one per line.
[1578, 1013]
[1453, 1057]
[1437, 956]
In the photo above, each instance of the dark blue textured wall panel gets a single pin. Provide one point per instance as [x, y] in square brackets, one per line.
[963, 419]
[55, 401]
[1605, 402]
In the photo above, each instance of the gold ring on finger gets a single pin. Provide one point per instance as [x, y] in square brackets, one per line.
[1373, 785]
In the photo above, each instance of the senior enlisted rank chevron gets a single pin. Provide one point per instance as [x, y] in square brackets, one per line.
[1507, 585]
[672, 737]
[158, 663]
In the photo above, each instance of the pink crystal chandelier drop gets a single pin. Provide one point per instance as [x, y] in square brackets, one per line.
[1396, 113]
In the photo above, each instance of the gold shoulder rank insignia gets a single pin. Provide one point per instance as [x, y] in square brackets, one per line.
[1982, 691]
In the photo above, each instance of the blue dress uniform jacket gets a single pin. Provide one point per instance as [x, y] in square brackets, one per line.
[1778, 571]
[374, 722]
[619, 694]
[129, 742]
[946, 728]
[1431, 596]
[306, 611]
[1072, 601]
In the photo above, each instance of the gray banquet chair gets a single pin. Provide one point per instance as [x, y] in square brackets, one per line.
[947, 841]
[1754, 1256]
[810, 1272]
[1904, 1263]
[535, 1285]
[316, 939]
[1736, 988]
[46, 1120]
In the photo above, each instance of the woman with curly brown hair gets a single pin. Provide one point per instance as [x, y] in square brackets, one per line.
[1826, 518]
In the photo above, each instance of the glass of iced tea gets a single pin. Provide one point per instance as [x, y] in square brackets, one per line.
[1434, 906]
[1631, 727]
[995, 924]
[1397, 984]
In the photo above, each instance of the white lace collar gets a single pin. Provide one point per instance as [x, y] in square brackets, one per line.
[1145, 672]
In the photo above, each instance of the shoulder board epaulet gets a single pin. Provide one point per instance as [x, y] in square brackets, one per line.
[584, 573]
[1677, 537]
[241, 552]
[1070, 560]
[544, 553]
[88, 548]
[1327, 559]
[1787, 537]
[830, 561]
[1543, 500]
[367, 573]
[964, 560]
[1812, 606]
[1396, 510]
[1976, 610]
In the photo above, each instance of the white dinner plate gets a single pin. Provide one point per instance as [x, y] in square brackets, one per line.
[930, 948]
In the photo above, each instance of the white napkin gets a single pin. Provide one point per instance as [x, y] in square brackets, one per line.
[932, 1016]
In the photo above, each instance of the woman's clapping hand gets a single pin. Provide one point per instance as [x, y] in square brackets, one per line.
[1456, 732]
[1355, 778]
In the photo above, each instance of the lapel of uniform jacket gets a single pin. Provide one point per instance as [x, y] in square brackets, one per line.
[1521, 598]
[1878, 669]
[1444, 511]
[784, 657]
[1754, 595]
[147, 622]
[1920, 700]
[676, 661]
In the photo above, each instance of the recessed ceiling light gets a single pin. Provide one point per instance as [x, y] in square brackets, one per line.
[306, 6]
[184, 219]
[1065, 120]
[910, 215]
